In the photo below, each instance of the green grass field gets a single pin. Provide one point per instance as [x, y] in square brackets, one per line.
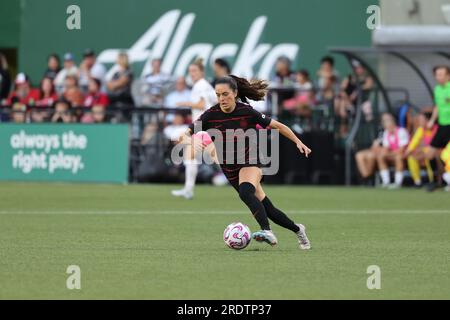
[137, 242]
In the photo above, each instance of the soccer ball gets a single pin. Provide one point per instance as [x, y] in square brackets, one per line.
[237, 235]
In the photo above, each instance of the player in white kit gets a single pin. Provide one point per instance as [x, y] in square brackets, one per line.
[203, 96]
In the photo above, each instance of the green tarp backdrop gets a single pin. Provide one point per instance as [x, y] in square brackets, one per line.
[60, 152]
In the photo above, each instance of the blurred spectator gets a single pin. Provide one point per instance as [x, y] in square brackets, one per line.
[326, 71]
[47, 96]
[180, 94]
[95, 96]
[96, 115]
[348, 95]
[176, 128]
[53, 67]
[327, 93]
[69, 69]
[23, 92]
[18, 112]
[366, 161]
[303, 99]
[90, 68]
[62, 112]
[5, 78]
[157, 83]
[303, 82]
[221, 69]
[300, 105]
[119, 83]
[72, 92]
[283, 73]
[394, 142]
[415, 153]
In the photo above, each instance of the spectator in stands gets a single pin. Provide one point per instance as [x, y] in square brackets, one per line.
[5, 78]
[441, 115]
[118, 84]
[23, 92]
[415, 153]
[157, 83]
[53, 66]
[62, 112]
[90, 68]
[181, 94]
[394, 142]
[72, 92]
[302, 102]
[69, 69]
[283, 73]
[303, 82]
[221, 69]
[95, 96]
[366, 161]
[176, 128]
[327, 93]
[348, 95]
[96, 115]
[18, 112]
[326, 71]
[47, 96]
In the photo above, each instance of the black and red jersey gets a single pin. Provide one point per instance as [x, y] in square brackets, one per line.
[237, 123]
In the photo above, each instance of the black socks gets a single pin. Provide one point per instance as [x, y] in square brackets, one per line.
[247, 195]
[278, 216]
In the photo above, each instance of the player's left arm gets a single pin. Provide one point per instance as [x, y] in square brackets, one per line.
[288, 133]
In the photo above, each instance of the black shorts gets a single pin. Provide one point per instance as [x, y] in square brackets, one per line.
[441, 138]
[232, 173]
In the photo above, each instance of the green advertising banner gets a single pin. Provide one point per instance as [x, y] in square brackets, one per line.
[249, 34]
[62, 152]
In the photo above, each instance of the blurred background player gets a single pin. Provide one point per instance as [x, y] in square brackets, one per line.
[417, 148]
[445, 156]
[203, 97]
[395, 140]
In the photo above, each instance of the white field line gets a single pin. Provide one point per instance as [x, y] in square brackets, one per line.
[213, 212]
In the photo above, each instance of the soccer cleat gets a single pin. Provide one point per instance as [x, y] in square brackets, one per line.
[265, 236]
[183, 193]
[303, 240]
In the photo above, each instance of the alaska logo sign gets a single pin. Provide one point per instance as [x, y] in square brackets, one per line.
[167, 37]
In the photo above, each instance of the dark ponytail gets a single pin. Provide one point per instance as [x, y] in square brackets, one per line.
[254, 90]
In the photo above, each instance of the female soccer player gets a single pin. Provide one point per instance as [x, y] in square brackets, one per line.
[203, 96]
[232, 112]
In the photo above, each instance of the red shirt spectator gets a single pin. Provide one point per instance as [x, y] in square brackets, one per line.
[48, 95]
[94, 96]
[23, 92]
[72, 92]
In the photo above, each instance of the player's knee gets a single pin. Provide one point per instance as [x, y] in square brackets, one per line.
[246, 191]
